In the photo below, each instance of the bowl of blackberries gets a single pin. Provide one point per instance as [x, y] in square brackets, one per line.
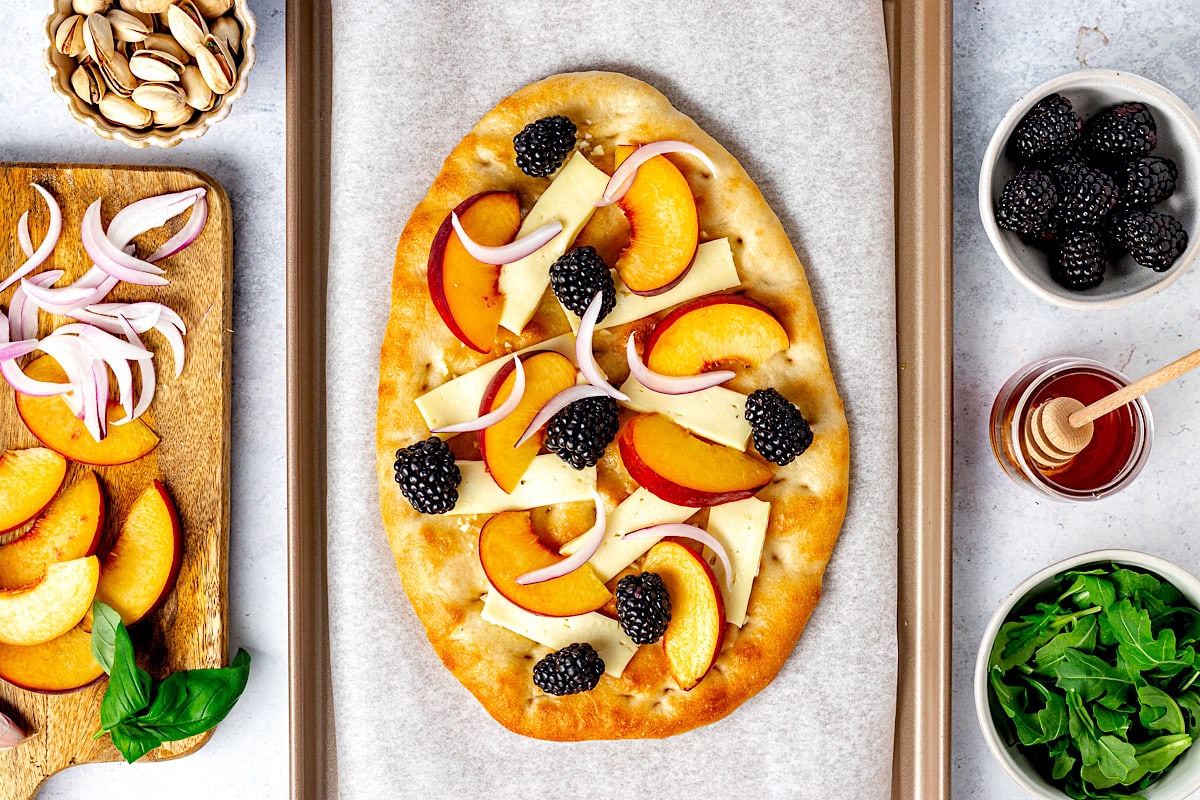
[1087, 189]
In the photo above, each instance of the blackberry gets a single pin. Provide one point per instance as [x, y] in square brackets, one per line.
[1080, 262]
[1124, 131]
[1048, 130]
[542, 146]
[1154, 240]
[428, 476]
[1027, 203]
[780, 431]
[577, 276]
[643, 607]
[576, 668]
[1085, 195]
[580, 432]
[1145, 181]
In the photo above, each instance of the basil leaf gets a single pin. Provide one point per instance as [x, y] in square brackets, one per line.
[194, 701]
[1159, 711]
[132, 741]
[128, 685]
[104, 634]
[1089, 676]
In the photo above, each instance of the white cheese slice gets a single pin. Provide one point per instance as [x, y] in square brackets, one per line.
[570, 199]
[742, 528]
[599, 631]
[548, 480]
[718, 414]
[458, 400]
[711, 271]
[640, 510]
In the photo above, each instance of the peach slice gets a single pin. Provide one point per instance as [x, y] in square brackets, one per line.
[685, 470]
[663, 227]
[466, 292]
[29, 480]
[63, 664]
[140, 570]
[508, 548]
[51, 421]
[718, 328]
[69, 529]
[697, 628]
[49, 608]
[546, 374]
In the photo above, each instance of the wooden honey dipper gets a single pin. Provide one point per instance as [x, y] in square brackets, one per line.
[1061, 428]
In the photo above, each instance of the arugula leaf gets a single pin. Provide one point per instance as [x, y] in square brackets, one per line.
[1129, 582]
[1081, 636]
[1111, 721]
[104, 634]
[1027, 727]
[1152, 757]
[1113, 757]
[1063, 764]
[192, 702]
[1159, 711]
[1052, 718]
[1090, 676]
[1018, 641]
[1089, 589]
[1138, 645]
[128, 684]
[1189, 703]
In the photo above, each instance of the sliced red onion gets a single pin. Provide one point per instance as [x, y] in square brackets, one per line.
[622, 177]
[671, 384]
[106, 343]
[23, 315]
[62, 300]
[68, 352]
[190, 231]
[111, 258]
[92, 287]
[591, 543]
[500, 412]
[146, 367]
[17, 349]
[23, 237]
[175, 339]
[95, 404]
[507, 253]
[151, 212]
[141, 311]
[557, 404]
[583, 351]
[17, 378]
[685, 531]
[44, 249]
[10, 734]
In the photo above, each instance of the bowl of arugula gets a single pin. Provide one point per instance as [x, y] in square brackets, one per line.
[1086, 683]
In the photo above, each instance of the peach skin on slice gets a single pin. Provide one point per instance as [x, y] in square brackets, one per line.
[685, 470]
[715, 329]
[63, 664]
[140, 570]
[508, 548]
[69, 529]
[697, 628]
[546, 374]
[663, 227]
[29, 480]
[51, 421]
[49, 608]
[466, 292]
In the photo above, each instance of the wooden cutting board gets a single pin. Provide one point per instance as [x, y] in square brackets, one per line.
[190, 414]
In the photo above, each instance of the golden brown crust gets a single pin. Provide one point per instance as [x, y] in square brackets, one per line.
[436, 556]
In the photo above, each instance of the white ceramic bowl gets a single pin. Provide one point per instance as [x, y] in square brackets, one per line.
[1183, 778]
[1090, 91]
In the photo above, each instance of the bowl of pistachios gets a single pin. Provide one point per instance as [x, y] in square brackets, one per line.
[150, 72]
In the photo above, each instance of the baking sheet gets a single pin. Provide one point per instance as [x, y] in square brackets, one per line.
[803, 100]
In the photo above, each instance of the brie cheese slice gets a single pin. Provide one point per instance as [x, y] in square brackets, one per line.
[640, 510]
[718, 414]
[548, 480]
[742, 528]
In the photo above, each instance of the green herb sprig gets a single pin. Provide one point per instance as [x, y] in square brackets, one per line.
[1095, 681]
[139, 712]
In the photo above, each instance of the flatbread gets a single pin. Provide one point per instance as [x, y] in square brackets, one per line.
[436, 556]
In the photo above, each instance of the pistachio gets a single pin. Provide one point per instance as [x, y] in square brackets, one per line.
[153, 65]
[216, 65]
[199, 95]
[213, 8]
[155, 96]
[124, 111]
[126, 27]
[140, 16]
[117, 75]
[227, 30]
[68, 37]
[172, 119]
[98, 37]
[86, 7]
[146, 6]
[165, 43]
[88, 82]
[187, 26]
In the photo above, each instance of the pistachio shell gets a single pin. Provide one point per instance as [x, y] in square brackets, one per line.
[86, 7]
[88, 82]
[98, 37]
[124, 111]
[165, 43]
[155, 96]
[140, 16]
[199, 95]
[152, 65]
[117, 75]
[173, 119]
[229, 32]
[216, 65]
[213, 8]
[126, 27]
[187, 26]
[146, 6]
[68, 37]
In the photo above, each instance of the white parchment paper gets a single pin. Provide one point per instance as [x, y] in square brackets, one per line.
[801, 97]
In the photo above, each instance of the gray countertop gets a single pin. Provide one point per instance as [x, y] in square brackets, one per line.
[1004, 533]
[248, 755]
